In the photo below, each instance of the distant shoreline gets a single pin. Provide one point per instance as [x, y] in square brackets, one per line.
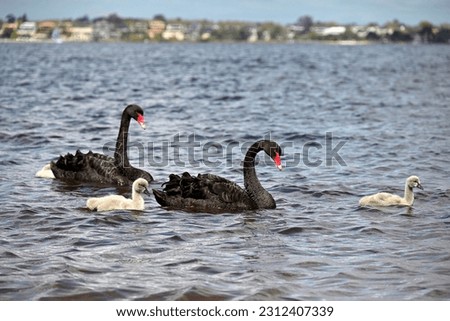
[287, 42]
[116, 29]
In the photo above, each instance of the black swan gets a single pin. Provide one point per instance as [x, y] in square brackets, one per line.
[98, 168]
[215, 194]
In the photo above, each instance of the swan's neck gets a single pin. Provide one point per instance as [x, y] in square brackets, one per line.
[121, 152]
[137, 198]
[253, 187]
[409, 194]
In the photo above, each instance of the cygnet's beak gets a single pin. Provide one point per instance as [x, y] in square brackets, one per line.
[419, 186]
[146, 191]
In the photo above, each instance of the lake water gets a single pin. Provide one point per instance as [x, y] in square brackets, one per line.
[353, 120]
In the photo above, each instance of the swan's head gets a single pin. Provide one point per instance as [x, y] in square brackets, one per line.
[414, 181]
[274, 151]
[137, 113]
[141, 186]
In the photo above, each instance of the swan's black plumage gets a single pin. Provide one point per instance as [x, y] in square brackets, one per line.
[214, 194]
[98, 168]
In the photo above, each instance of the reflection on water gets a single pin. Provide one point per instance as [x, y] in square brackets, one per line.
[387, 104]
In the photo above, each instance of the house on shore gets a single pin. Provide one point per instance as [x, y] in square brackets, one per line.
[8, 29]
[81, 34]
[174, 31]
[155, 29]
[26, 31]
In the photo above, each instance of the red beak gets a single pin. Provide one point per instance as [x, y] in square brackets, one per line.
[277, 161]
[141, 121]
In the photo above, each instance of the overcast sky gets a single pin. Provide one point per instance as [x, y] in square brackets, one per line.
[281, 11]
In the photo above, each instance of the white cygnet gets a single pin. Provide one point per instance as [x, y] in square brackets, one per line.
[45, 172]
[118, 202]
[387, 199]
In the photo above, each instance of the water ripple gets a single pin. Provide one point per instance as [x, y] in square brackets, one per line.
[385, 104]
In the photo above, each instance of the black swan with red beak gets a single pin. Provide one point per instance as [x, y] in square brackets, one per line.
[98, 168]
[215, 194]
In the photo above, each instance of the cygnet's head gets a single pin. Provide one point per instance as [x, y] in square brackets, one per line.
[414, 181]
[140, 185]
